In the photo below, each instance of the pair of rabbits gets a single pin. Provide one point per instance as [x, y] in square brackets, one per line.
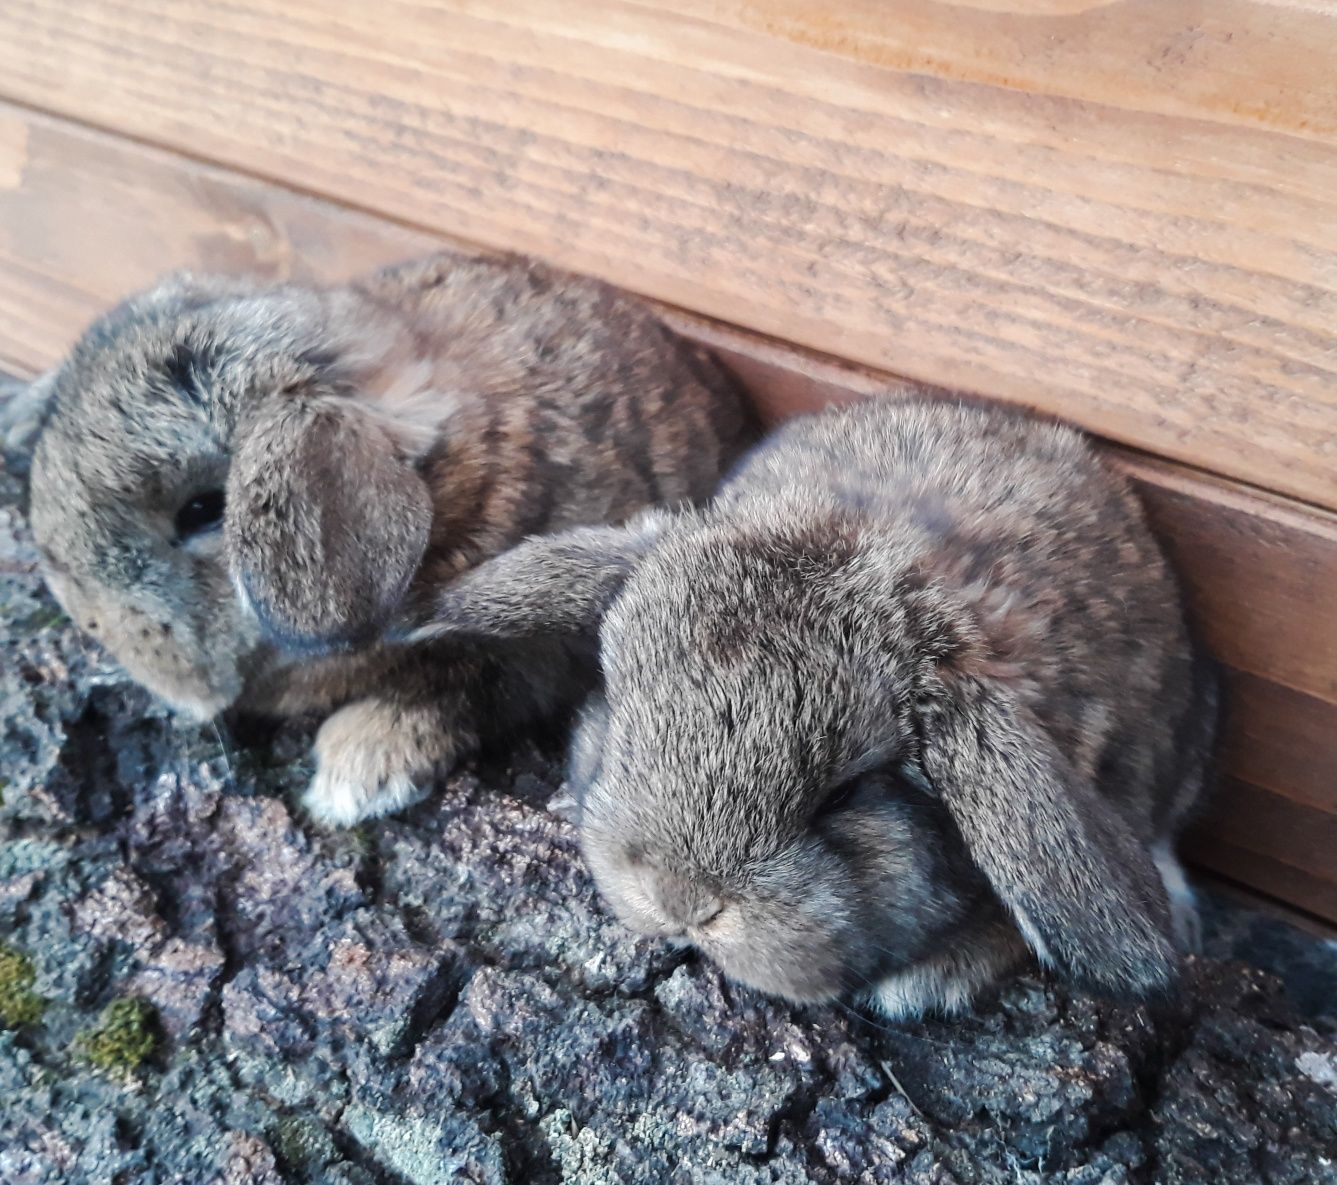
[912, 695]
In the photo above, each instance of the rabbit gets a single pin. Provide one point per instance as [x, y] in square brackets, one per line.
[913, 696]
[234, 484]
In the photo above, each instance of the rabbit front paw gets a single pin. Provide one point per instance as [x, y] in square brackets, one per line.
[374, 758]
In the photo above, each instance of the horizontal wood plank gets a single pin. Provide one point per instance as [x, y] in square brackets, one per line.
[1163, 273]
[85, 218]
[1283, 742]
[1259, 63]
[1273, 825]
[1265, 874]
[1269, 841]
[88, 218]
[1261, 573]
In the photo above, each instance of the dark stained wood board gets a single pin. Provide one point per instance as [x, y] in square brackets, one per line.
[85, 217]
[1123, 212]
[1269, 843]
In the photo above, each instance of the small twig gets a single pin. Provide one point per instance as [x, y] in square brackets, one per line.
[900, 1090]
[227, 755]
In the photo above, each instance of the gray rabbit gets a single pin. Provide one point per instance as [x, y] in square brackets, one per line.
[234, 484]
[914, 694]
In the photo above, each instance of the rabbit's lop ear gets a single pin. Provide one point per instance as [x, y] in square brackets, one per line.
[326, 521]
[549, 584]
[24, 408]
[1082, 889]
[184, 290]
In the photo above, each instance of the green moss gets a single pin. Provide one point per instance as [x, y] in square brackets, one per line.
[302, 1146]
[363, 839]
[124, 1035]
[44, 619]
[19, 1004]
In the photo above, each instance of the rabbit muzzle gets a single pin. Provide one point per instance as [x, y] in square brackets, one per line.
[789, 948]
[193, 662]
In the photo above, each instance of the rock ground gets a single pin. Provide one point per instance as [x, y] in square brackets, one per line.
[441, 998]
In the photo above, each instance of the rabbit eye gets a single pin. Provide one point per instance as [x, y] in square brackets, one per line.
[839, 796]
[202, 513]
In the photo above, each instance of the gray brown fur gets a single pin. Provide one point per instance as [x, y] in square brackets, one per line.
[915, 692]
[374, 440]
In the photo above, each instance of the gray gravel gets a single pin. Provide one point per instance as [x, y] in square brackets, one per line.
[441, 997]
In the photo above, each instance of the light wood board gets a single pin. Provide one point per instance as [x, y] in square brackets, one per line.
[1122, 212]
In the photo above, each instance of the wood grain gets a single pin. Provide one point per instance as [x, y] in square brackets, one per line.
[1264, 874]
[1282, 742]
[1265, 63]
[1274, 825]
[85, 218]
[1270, 842]
[1161, 271]
[1261, 573]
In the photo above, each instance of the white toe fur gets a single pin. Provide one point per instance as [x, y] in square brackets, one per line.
[1183, 901]
[948, 983]
[368, 764]
[340, 802]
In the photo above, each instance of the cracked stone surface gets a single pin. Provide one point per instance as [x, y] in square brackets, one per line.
[441, 998]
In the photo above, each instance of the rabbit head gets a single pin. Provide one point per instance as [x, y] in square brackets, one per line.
[233, 484]
[201, 488]
[809, 759]
[750, 781]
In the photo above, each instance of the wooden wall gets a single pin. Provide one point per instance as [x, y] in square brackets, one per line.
[1121, 211]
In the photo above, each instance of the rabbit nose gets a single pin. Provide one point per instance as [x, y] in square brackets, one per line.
[705, 913]
[685, 906]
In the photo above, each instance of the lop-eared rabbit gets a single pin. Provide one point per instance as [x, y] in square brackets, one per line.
[914, 694]
[234, 484]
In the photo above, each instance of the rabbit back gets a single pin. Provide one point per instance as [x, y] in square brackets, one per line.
[917, 686]
[1020, 518]
[572, 405]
